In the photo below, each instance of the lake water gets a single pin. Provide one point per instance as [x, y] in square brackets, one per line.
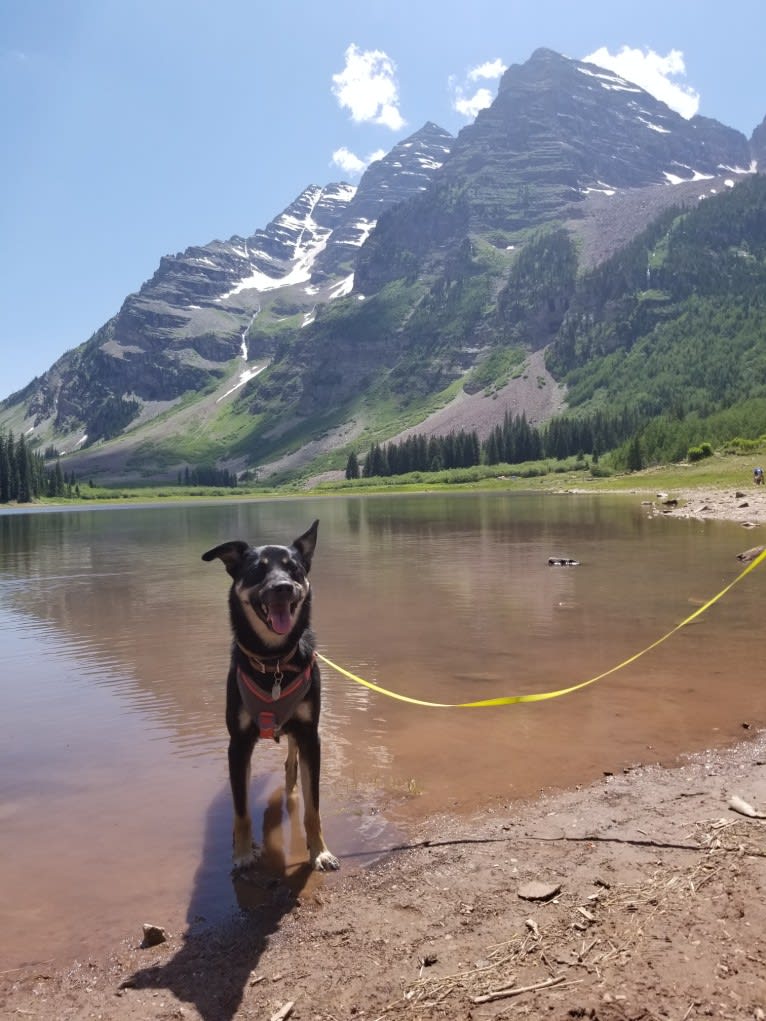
[114, 803]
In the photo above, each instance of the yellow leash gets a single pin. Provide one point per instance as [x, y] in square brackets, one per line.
[543, 695]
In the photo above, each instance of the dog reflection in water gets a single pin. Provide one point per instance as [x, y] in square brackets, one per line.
[281, 872]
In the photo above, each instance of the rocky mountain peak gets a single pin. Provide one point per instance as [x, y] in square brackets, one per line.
[401, 174]
[560, 128]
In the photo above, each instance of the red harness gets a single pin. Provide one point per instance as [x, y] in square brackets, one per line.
[271, 710]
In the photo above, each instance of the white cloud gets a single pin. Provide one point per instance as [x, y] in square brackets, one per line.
[352, 164]
[368, 89]
[467, 102]
[652, 72]
[489, 69]
[348, 161]
[469, 106]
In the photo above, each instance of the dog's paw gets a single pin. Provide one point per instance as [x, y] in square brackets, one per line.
[244, 860]
[325, 862]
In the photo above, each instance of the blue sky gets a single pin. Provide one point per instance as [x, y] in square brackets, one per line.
[135, 128]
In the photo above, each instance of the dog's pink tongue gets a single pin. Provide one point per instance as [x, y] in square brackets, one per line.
[280, 618]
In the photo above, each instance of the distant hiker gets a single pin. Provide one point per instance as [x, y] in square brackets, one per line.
[758, 476]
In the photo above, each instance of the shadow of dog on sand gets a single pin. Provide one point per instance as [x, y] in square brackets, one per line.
[217, 962]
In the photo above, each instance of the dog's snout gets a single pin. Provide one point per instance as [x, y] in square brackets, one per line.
[280, 590]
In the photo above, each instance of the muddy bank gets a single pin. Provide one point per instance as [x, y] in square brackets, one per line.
[656, 910]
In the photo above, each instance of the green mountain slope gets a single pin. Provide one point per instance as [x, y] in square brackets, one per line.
[677, 321]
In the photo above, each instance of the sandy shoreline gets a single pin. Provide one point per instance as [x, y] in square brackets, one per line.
[660, 910]
[747, 507]
[659, 913]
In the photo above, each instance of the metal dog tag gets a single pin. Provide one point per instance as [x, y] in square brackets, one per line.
[276, 690]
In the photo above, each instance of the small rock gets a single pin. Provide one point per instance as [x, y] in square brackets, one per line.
[284, 1011]
[537, 890]
[153, 935]
[750, 554]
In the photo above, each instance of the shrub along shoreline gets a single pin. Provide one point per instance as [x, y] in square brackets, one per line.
[708, 487]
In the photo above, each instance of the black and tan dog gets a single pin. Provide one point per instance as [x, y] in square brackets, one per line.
[273, 686]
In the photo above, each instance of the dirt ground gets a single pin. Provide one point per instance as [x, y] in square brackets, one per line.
[653, 907]
[641, 896]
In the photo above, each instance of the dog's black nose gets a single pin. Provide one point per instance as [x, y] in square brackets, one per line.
[282, 588]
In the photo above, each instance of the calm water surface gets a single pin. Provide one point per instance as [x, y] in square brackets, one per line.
[114, 804]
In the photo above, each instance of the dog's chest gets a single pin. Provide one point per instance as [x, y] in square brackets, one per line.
[273, 699]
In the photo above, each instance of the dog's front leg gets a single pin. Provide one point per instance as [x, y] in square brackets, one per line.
[291, 766]
[242, 738]
[240, 752]
[309, 760]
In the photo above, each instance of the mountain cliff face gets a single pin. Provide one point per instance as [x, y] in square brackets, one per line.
[558, 131]
[358, 310]
[178, 333]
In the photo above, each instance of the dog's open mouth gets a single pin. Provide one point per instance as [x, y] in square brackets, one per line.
[280, 613]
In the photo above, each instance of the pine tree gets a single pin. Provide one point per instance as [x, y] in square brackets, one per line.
[24, 471]
[5, 470]
[635, 460]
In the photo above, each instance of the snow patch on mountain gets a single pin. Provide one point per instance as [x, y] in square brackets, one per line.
[244, 377]
[654, 127]
[310, 240]
[691, 175]
[611, 82]
[343, 287]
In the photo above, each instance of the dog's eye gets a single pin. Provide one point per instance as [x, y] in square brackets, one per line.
[256, 572]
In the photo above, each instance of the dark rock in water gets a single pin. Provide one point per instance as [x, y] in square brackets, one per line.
[750, 554]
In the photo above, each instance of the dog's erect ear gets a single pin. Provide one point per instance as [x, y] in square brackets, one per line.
[231, 553]
[306, 544]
